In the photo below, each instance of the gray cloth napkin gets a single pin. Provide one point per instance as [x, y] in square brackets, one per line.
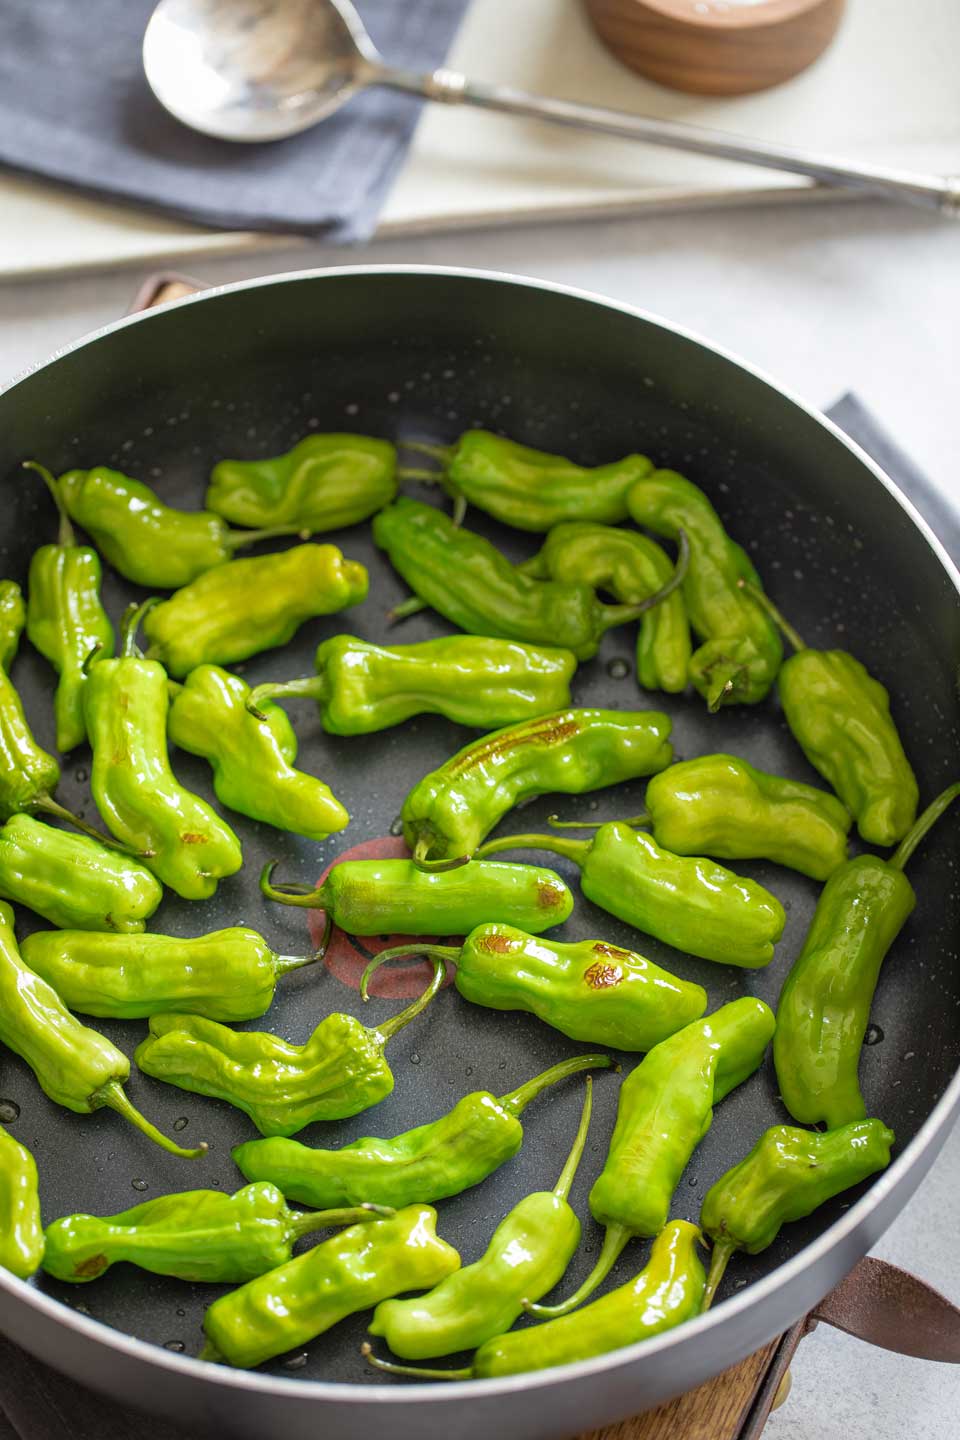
[75, 107]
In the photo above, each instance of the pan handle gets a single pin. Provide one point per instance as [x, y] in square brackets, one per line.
[889, 1307]
[162, 286]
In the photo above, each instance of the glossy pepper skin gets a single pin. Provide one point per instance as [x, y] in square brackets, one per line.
[428, 1163]
[339, 1072]
[21, 1230]
[471, 679]
[787, 1175]
[199, 1235]
[66, 618]
[450, 811]
[721, 805]
[237, 609]
[688, 902]
[464, 578]
[325, 482]
[182, 839]
[72, 880]
[382, 897]
[666, 1292]
[76, 1066]
[588, 990]
[629, 566]
[226, 975]
[529, 1252]
[352, 1271]
[252, 759]
[741, 651]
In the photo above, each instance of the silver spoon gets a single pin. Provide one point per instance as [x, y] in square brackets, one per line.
[251, 70]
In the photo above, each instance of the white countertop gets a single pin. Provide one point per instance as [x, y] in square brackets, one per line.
[827, 298]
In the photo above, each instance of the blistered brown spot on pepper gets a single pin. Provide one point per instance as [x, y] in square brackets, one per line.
[549, 896]
[190, 837]
[496, 944]
[89, 1268]
[544, 732]
[601, 977]
[611, 952]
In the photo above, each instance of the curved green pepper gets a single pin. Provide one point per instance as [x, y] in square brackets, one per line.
[589, 990]
[65, 616]
[352, 1271]
[235, 610]
[667, 1292]
[252, 759]
[688, 902]
[825, 1001]
[198, 1235]
[450, 811]
[180, 836]
[630, 566]
[471, 679]
[339, 1072]
[76, 1066]
[433, 1161]
[324, 483]
[74, 881]
[786, 1176]
[741, 654]
[21, 1229]
[528, 1254]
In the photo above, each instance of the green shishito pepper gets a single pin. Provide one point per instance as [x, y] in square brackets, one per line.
[428, 1163]
[464, 578]
[825, 1001]
[145, 540]
[589, 990]
[840, 717]
[237, 609]
[352, 1271]
[630, 567]
[21, 1230]
[721, 805]
[450, 811]
[688, 902]
[65, 616]
[667, 1292]
[787, 1175]
[325, 482]
[74, 881]
[665, 1109]
[339, 1072]
[741, 654]
[76, 1066]
[226, 975]
[471, 679]
[530, 489]
[252, 759]
[182, 839]
[528, 1254]
[198, 1235]
[383, 897]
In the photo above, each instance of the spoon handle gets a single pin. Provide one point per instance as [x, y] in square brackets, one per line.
[930, 192]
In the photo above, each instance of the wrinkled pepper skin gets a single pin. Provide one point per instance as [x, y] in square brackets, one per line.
[470, 679]
[28, 774]
[741, 654]
[72, 880]
[21, 1230]
[721, 805]
[450, 811]
[629, 566]
[352, 1271]
[198, 1235]
[252, 760]
[226, 975]
[325, 482]
[442, 1158]
[240, 608]
[688, 902]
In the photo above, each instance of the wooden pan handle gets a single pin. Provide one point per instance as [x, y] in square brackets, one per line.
[161, 287]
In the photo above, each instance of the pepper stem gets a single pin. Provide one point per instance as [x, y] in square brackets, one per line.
[411, 472]
[48, 806]
[722, 1251]
[639, 822]
[568, 1173]
[239, 539]
[304, 1222]
[724, 677]
[116, 1098]
[922, 825]
[66, 535]
[416, 1372]
[765, 603]
[518, 1100]
[613, 1246]
[442, 453]
[413, 606]
[210, 1353]
[399, 952]
[435, 867]
[574, 850]
[309, 897]
[396, 1023]
[621, 614]
[314, 687]
[130, 624]
[283, 964]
